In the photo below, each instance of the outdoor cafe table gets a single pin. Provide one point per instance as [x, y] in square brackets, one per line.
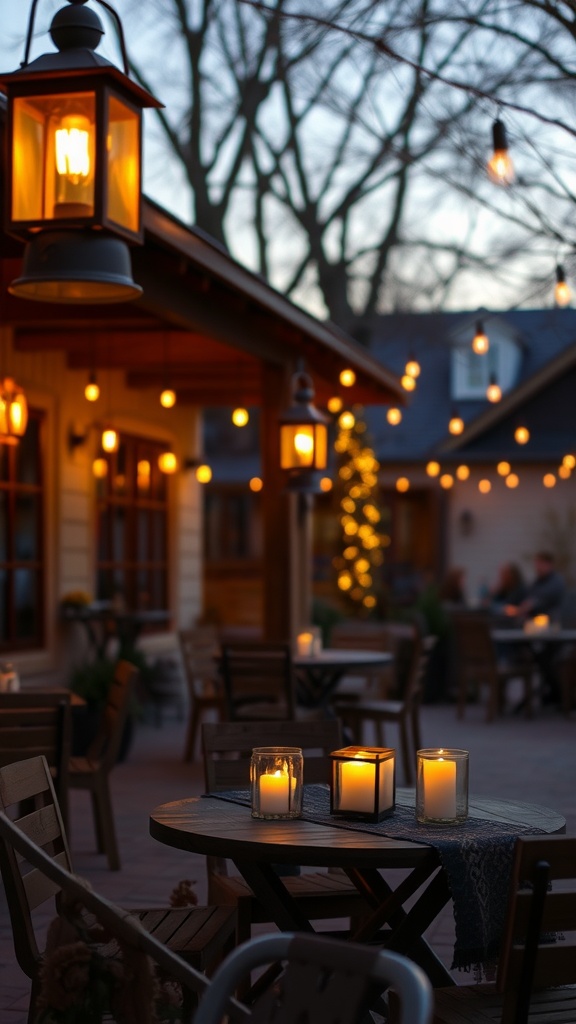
[220, 827]
[318, 674]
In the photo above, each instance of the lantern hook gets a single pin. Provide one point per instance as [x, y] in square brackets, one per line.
[115, 16]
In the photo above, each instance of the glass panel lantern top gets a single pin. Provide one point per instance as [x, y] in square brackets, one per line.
[123, 165]
[53, 157]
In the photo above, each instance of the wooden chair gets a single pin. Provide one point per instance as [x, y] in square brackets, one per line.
[539, 948]
[91, 772]
[199, 648]
[477, 664]
[258, 682]
[227, 750]
[199, 934]
[33, 723]
[325, 981]
[395, 637]
[404, 713]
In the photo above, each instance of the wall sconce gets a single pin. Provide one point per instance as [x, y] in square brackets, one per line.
[77, 436]
[73, 175]
[13, 412]
[303, 438]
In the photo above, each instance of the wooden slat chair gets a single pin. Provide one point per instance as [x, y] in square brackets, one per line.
[199, 934]
[92, 771]
[227, 749]
[37, 723]
[404, 713]
[477, 665]
[539, 947]
[199, 649]
[383, 682]
[258, 682]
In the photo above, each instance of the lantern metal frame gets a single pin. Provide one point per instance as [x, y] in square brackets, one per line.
[378, 757]
[303, 477]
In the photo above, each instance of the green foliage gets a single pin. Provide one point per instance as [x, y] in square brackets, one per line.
[93, 680]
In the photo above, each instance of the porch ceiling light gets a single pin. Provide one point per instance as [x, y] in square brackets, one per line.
[74, 164]
[13, 411]
[303, 438]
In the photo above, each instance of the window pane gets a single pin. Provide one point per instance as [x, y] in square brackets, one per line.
[119, 552]
[26, 546]
[143, 536]
[26, 603]
[28, 454]
[159, 537]
[4, 624]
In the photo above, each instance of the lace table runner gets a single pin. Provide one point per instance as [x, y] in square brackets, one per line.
[476, 856]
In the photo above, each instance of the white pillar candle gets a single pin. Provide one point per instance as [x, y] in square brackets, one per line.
[275, 793]
[357, 785]
[304, 642]
[439, 777]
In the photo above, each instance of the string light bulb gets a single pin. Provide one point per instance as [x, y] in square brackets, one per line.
[408, 382]
[110, 440]
[433, 468]
[456, 424]
[255, 484]
[240, 416]
[562, 293]
[168, 398]
[100, 468]
[480, 341]
[167, 462]
[412, 367]
[500, 167]
[394, 416]
[463, 472]
[92, 391]
[402, 484]
[347, 378]
[334, 404]
[521, 435]
[493, 391]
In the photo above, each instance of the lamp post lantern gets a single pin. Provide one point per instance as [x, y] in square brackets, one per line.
[73, 174]
[303, 438]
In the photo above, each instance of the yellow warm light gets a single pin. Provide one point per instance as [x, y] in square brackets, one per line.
[512, 480]
[167, 462]
[503, 468]
[350, 552]
[433, 468]
[345, 472]
[402, 484]
[345, 581]
[394, 416]
[351, 528]
[564, 472]
[412, 368]
[326, 484]
[13, 411]
[100, 468]
[493, 392]
[347, 420]
[168, 398]
[463, 472]
[549, 480]
[521, 435]
[304, 443]
[362, 565]
[500, 167]
[480, 342]
[110, 440]
[446, 481]
[484, 486]
[72, 149]
[92, 391]
[369, 601]
[334, 404]
[143, 471]
[255, 484]
[570, 461]
[203, 474]
[562, 293]
[408, 382]
[348, 505]
[347, 378]
[456, 425]
[240, 416]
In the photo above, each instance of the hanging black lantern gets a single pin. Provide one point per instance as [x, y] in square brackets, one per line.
[74, 154]
[303, 438]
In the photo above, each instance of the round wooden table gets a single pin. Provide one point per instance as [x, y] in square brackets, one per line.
[318, 675]
[220, 828]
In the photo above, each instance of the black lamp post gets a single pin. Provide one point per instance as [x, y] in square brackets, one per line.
[303, 438]
[74, 154]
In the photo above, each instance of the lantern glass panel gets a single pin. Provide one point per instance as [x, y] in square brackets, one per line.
[321, 446]
[296, 446]
[53, 157]
[123, 165]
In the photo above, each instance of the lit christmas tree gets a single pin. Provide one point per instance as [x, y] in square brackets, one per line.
[360, 514]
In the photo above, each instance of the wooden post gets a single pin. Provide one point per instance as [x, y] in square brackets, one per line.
[287, 565]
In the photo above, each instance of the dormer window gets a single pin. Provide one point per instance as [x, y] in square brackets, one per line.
[471, 373]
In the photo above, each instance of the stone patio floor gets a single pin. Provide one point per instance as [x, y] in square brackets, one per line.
[512, 758]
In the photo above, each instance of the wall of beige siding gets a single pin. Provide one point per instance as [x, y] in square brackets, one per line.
[70, 518]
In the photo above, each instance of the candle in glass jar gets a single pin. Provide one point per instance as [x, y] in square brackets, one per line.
[357, 783]
[439, 778]
[275, 792]
[304, 643]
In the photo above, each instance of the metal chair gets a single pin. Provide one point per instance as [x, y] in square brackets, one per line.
[539, 949]
[35, 866]
[325, 981]
[258, 682]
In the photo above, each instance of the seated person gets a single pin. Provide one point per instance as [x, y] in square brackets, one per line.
[545, 595]
[510, 588]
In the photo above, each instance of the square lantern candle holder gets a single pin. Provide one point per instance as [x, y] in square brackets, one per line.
[441, 786]
[276, 782]
[363, 783]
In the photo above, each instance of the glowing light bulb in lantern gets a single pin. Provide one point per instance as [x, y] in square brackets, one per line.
[500, 167]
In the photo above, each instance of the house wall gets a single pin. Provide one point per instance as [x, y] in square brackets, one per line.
[70, 509]
[511, 525]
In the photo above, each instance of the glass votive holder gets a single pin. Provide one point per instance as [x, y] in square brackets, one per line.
[363, 783]
[305, 643]
[441, 785]
[276, 782]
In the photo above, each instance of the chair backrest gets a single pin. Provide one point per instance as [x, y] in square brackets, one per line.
[414, 688]
[539, 946]
[398, 638]
[228, 745]
[258, 673]
[472, 638]
[199, 648]
[53, 874]
[326, 981]
[27, 793]
[38, 723]
[106, 744]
